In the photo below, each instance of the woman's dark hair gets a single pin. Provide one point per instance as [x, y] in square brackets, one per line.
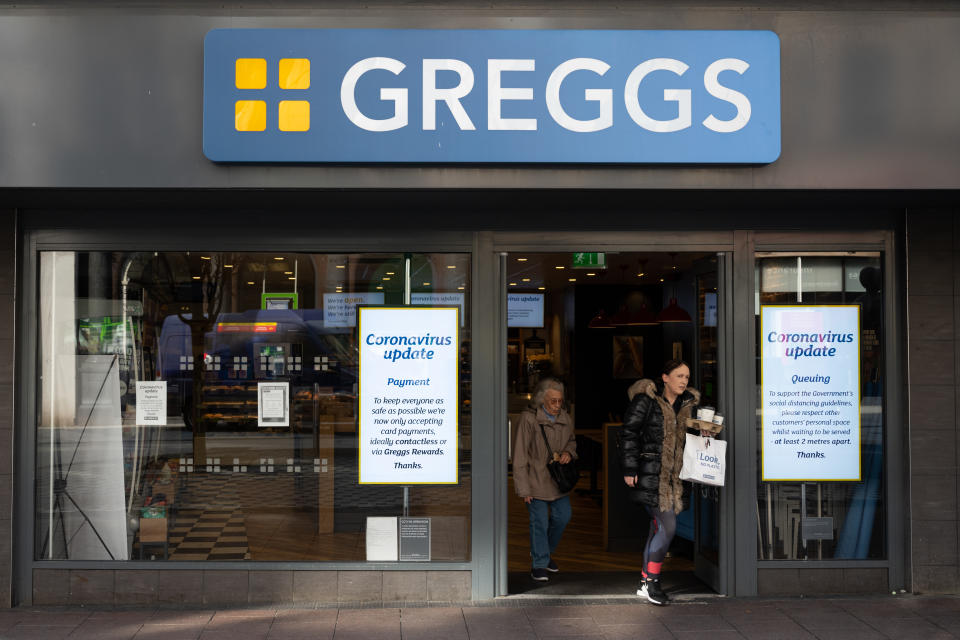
[670, 365]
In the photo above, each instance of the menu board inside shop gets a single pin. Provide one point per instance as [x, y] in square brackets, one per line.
[810, 392]
[409, 388]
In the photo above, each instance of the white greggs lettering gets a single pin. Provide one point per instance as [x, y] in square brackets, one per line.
[497, 94]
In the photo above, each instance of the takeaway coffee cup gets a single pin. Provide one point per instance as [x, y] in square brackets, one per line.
[706, 414]
[718, 418]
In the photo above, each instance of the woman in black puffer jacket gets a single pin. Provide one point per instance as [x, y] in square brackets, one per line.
[651, 454]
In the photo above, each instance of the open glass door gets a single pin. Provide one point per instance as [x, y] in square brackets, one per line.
[709, 361]
[598, 323]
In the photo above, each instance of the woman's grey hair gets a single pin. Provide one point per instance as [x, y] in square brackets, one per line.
[542, 388]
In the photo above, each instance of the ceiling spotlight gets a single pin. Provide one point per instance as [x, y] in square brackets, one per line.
[559, 266]
[591, 274]
[521, 259]
[196, 277]
[341, 266]
[278, 258]
[251, 282]
[385, 278]
[426, 284]
[571, 279]
[525, 279]
[513, 284]
[204, 257]
[542, 288]
[451, 266]
[228, 266]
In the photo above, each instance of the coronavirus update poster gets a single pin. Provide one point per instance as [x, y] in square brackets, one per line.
[409, 384]
[810, 392]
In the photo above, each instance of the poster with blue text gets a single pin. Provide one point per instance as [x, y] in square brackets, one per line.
[810, 392]
[409, 394]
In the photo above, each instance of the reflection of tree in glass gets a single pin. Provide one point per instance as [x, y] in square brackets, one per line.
[193, 289]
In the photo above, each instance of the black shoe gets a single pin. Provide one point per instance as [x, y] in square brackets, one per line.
[552, 567]
[650, 589]
[540, 575]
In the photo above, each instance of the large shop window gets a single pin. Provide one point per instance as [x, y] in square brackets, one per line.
[820, 418]
[205, 407]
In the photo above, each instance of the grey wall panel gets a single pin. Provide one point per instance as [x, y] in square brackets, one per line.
[8, 268]
[932, 306]
[112, 98]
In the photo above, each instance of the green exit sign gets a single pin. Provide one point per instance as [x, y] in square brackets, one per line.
[589, 261]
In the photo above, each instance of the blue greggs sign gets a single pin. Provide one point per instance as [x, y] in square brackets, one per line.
[491, 96]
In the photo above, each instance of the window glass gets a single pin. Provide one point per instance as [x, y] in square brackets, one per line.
[157, 438]
[820, 399]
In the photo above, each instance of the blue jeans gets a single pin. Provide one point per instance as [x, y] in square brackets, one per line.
[548, 519]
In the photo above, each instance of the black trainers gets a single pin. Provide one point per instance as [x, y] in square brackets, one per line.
[540, 575]
[650, 589]
[552, 566]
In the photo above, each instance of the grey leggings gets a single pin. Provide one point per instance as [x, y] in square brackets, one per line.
[663, 526]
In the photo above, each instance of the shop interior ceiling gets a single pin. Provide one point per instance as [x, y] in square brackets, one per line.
[531, 271]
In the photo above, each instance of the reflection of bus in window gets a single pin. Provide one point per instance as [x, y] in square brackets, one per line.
[241, 349]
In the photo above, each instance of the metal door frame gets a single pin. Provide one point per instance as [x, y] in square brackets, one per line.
[497, 245]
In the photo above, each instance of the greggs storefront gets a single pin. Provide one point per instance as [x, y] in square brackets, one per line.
[281, 284]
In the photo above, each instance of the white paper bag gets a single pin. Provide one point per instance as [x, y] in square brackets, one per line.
[704, 460]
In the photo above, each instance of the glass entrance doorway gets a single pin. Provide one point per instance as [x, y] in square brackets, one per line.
[598, 323]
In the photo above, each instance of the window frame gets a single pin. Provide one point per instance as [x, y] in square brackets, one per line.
[749, 245]
[145, 231]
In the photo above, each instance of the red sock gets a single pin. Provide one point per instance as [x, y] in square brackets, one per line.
[653, 570]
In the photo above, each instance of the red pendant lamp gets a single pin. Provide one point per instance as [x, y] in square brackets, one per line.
[673, 313]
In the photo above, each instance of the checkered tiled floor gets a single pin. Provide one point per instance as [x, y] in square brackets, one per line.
[210, 518]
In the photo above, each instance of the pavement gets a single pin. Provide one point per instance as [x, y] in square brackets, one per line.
[700, 618]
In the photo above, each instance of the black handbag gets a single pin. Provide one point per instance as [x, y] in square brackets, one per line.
[565, 476]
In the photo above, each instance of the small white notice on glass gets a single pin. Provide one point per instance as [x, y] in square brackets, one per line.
[382, 539]
[273, 404]
[152, 403]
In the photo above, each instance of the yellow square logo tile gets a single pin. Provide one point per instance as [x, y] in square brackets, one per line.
[251, 73]
[294, 73]
[250, 115]
[294, 115]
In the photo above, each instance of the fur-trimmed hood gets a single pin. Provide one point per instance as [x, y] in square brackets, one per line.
[652, 389]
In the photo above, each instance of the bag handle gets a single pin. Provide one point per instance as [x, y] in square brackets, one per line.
[543, 432]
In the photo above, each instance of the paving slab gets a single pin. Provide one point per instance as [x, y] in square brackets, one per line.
[625, 631]
[903, 617]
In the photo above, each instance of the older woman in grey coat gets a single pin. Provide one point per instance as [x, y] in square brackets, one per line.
[549, 509]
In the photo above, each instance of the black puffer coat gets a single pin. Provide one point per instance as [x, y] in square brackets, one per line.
[652, 443]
